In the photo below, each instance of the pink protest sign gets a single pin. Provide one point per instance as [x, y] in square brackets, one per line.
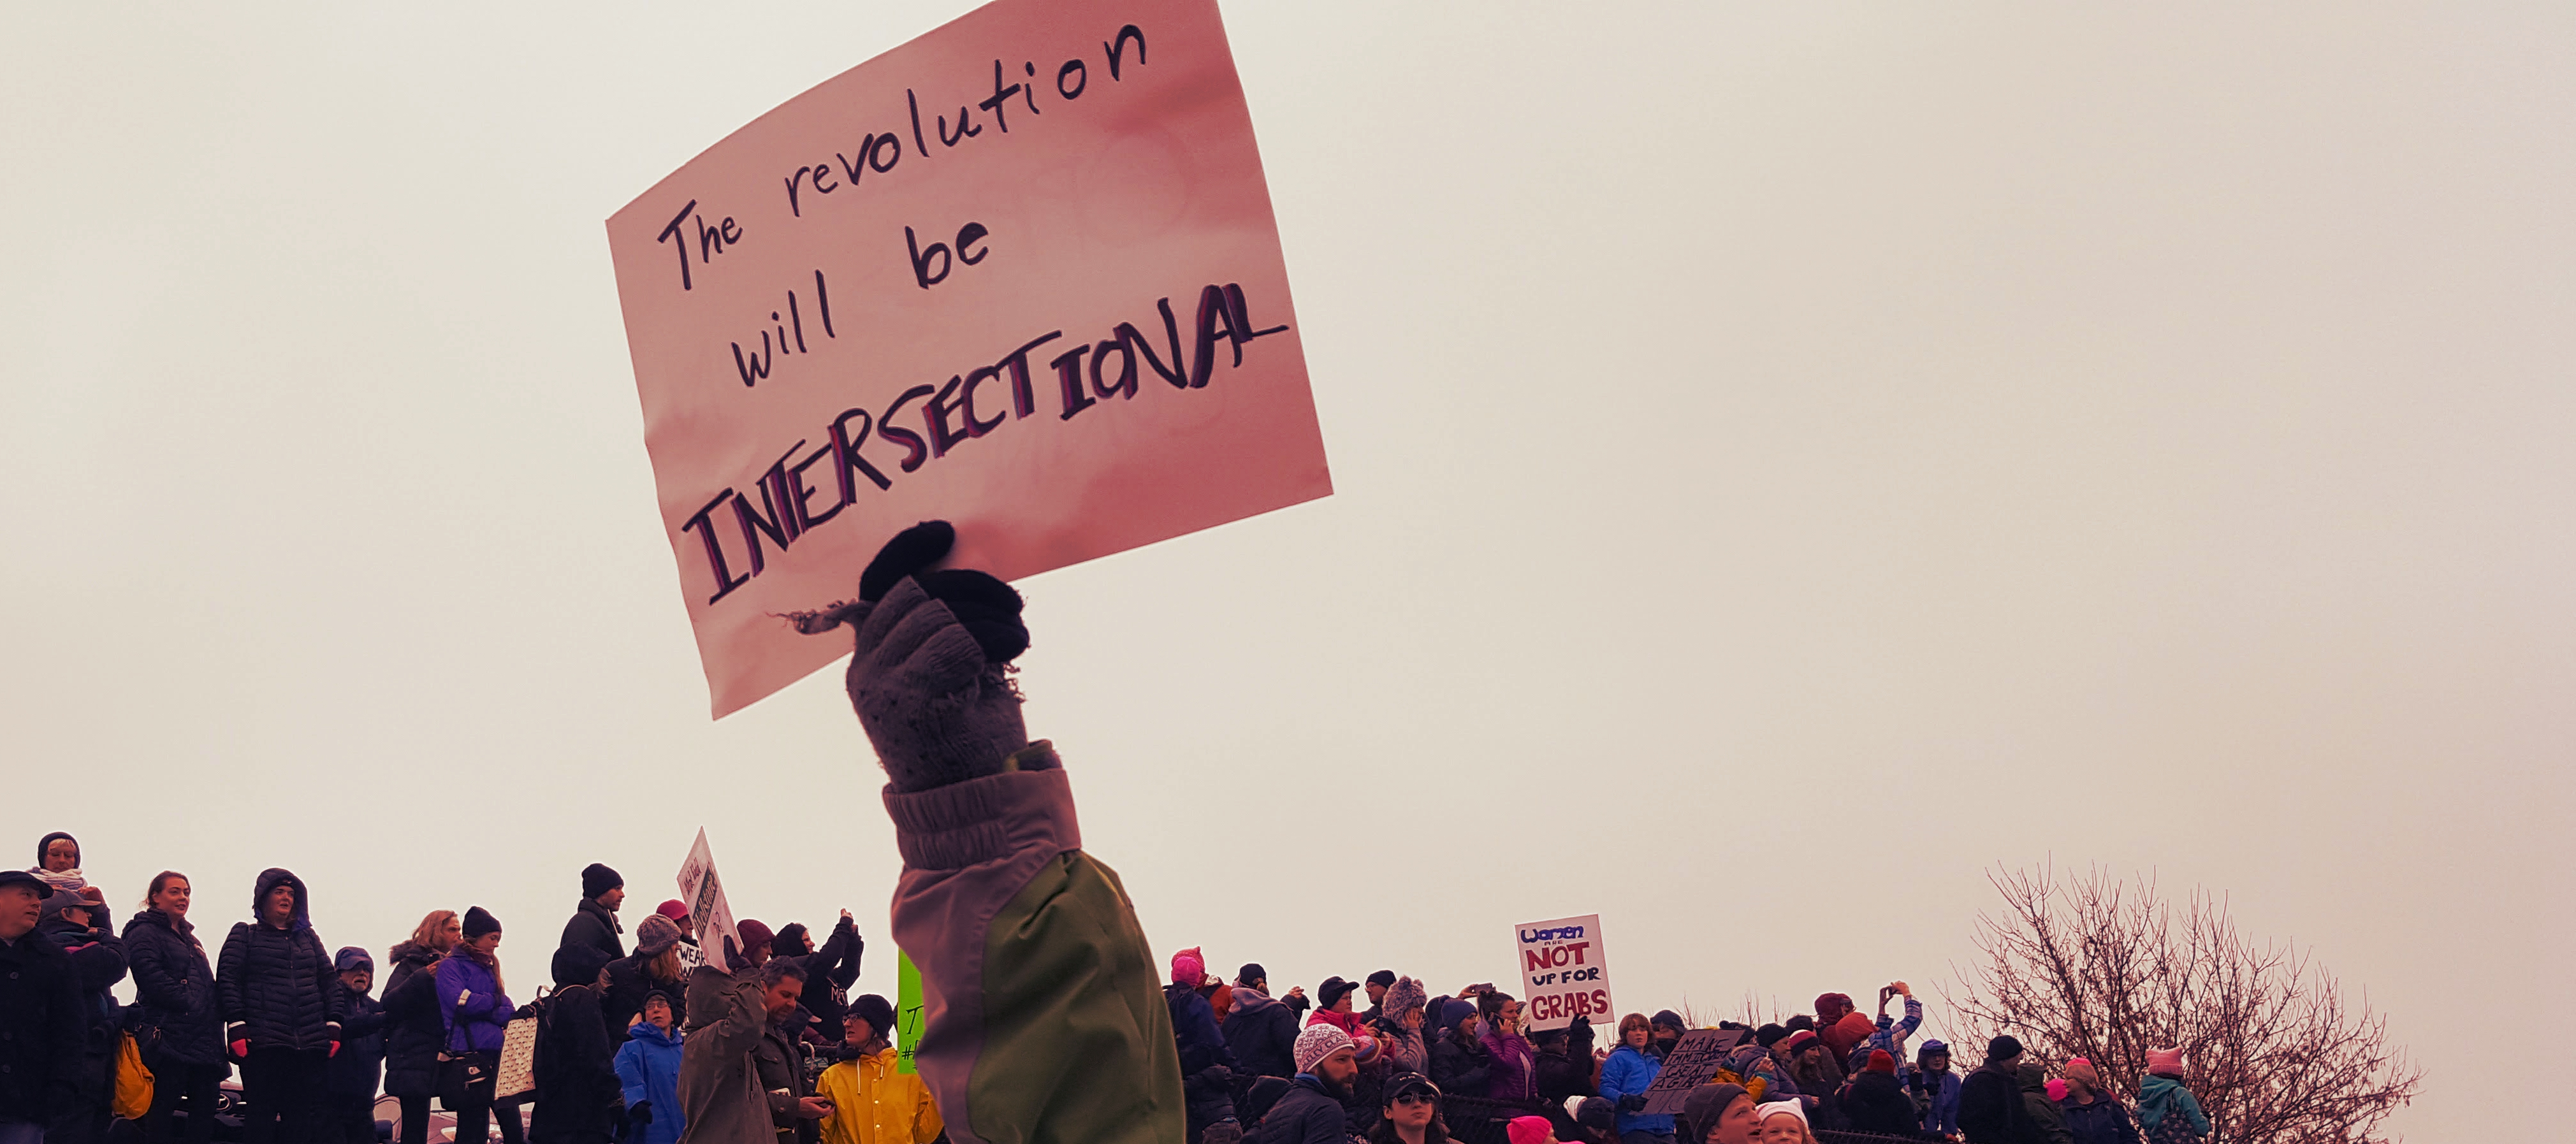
[1020, 273]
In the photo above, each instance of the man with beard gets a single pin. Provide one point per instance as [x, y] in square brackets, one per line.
[1312, 1111]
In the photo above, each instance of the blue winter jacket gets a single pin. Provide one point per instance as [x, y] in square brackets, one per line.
[475, 1023]
[1628, 1072]
[1890, 1036]
[648, 1065]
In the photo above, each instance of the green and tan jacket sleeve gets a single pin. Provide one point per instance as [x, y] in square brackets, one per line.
[1044, 1017]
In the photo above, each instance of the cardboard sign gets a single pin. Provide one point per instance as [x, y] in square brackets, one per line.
[1565, 972]
[710, 916]
[1019, 274]
[908, 1012]
[1693, 1062]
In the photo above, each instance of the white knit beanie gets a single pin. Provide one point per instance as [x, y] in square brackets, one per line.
[1316, 1043]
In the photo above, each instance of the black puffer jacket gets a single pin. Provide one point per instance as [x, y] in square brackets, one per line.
[1461, 1067]
[575, 1071]
[413, 1028]
[594, 925]
[277, 987]
[177, 1014]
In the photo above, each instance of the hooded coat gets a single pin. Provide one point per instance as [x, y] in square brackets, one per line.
[414, 1031]
[2162, 1098]
[719, 1088]
[177, 1016]
[354, 1071]
[829, 973]
[1208, 1094]
[1306, 1114]
[2047, 1123]
[276, 986]
[1262, 1033]
[648, 1076]
[42, 1008]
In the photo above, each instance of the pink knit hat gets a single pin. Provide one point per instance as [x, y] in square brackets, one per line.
[2056, 1088]
[1530, 1130]
[2164, 1062]
[2080, 1069]
[1189, 967]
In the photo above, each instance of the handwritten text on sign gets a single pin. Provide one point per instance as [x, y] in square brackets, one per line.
[1020, 273]
[1565, 971]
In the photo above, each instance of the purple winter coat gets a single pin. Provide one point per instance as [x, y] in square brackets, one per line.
[1512, 1077]
[476, 1023]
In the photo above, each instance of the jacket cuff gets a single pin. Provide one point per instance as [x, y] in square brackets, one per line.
[986, 819]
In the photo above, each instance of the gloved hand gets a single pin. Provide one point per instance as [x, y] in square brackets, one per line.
[1633, 1103]
[640, 1112]
[927, 678]
[335, 1051]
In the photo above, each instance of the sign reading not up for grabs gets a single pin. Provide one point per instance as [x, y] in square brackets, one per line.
[1020, 273]
[1565, 972]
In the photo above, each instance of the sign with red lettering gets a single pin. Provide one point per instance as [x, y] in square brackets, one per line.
[1020, 274]
[1565, 971]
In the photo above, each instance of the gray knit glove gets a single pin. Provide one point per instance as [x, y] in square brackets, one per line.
[927, 678]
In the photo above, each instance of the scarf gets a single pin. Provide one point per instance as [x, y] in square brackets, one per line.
[70, 880]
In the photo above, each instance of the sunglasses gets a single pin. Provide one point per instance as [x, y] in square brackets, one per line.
[1416, 1097]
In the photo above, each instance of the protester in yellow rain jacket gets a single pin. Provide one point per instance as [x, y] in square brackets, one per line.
[871, 1102]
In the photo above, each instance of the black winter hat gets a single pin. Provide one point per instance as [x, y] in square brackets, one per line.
[1769, 1035]
[47, 842]
[1382, 978]
[2003, 1048]
[479, 921]
[1331, 992]
[23, 878]
[597, 879]
[876, 1011]
[1251, 973]
[1668, 1019]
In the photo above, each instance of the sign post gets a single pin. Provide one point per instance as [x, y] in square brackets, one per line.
[1565, 972]
[710, 916]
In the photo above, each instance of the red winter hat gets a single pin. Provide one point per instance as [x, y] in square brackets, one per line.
[1797, 1042]
[1830, 1007]
[1880, 1062]
[675, 909]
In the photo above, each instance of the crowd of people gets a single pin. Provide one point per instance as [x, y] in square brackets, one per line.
[651, 1044]
[1417, 1069]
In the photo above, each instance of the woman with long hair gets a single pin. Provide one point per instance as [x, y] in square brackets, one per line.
[413, 1028]
[180, 1023]
[1514, 1059]
[654, 967]
[475, 1011]
[1459, 1062]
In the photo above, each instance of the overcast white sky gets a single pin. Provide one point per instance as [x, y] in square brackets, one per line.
[1790, 457]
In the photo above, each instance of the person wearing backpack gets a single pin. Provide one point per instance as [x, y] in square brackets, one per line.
[2166, 1110]
[579, 1098]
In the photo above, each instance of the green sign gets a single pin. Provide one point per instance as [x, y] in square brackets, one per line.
[907, 1011]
